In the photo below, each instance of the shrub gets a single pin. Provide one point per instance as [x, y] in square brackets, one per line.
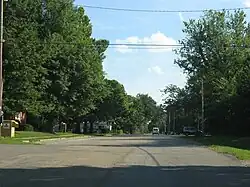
[28, 127]
[120, 131]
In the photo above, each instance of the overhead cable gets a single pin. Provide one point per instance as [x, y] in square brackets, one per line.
[161, 11]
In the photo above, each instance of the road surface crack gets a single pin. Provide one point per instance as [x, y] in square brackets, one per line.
[108, 174]
[151, 156]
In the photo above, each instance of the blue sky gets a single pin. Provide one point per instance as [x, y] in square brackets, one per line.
[146, 71]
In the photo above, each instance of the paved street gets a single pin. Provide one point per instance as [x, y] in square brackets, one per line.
[138, 161]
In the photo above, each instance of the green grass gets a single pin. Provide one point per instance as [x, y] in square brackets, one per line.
[12, 141]
[27, 134]
[25, 137]
[238, 147]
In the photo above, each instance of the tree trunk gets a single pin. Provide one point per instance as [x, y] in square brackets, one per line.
[91, 127]
[85, 128]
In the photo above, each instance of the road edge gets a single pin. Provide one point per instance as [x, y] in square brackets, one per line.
[244, 163]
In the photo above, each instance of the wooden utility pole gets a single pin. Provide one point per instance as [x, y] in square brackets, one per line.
[169, 121]
[198, 122]
[202, 97]
[202, 105]
[165, 127]
[1, 59]
[174, 122]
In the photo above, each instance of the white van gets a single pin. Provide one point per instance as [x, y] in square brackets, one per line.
[156, 130]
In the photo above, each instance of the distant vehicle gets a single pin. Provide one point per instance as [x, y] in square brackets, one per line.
[156, 130]
[189, 131]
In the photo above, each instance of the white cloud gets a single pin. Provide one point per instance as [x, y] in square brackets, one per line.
[157, 38]
[246, 3]
[156, 69]
[139, 72]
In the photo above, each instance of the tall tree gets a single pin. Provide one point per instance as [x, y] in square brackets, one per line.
[75, 61]
[52, 65]
[23, 61]
[214, 50]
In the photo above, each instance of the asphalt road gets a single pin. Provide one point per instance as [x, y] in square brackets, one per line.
[138, 161]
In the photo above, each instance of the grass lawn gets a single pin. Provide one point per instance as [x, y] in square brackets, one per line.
[238, 147]
[27, 134]
[13, 141]
[26, 137]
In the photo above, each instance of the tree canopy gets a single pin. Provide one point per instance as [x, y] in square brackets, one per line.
[53, 70]
[216, 51]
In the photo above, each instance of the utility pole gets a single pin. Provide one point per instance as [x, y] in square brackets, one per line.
[198, 122]
[202, 106]
[165, 127]
[169, 121]
[1, 59]
[174, 123]
[202, 97]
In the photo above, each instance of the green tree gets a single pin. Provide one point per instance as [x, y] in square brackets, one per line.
[134, 118]
[149, 109]
[74, 64]
[52, 65]
[53, 70]
[214, 50]
[112, 106]
[23, 61]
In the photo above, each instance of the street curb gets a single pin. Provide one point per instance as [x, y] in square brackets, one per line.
[64, 138]
[54, 139]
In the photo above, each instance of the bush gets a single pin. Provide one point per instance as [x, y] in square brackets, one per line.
[28, 127]
[120, 131]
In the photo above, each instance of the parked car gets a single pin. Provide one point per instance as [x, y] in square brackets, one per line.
[156, 130]
[189, 131]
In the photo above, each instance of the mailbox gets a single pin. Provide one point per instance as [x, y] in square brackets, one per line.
[8, 128]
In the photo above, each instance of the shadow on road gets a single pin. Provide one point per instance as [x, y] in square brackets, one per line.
[132, 176]
[138, 142]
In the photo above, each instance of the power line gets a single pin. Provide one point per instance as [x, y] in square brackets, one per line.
[142, 45]
[161, 11]
[160, 48]
[118, 44]
[132, 45]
